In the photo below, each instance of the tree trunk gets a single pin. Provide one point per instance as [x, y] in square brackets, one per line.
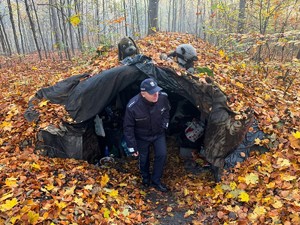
[64, 31]
[19, 25]
[80, 33]
[169, 15]
[33, 29]
[137, 17]
[70, 27]
[298, 55]
[103, 17]
[241, 21]
[174, 16]
[13, 26]
[4, 39]
[125, 16]
[153, 16]
[39, 29]
[55, 28]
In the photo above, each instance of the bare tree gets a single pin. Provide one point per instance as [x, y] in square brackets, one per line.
[19, 25]
[32, 27]
[13, 26]
[241, 21]
[152, 15]
[4, 39]
[39, 29]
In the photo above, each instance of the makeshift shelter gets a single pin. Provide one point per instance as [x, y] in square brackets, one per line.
[105, 96]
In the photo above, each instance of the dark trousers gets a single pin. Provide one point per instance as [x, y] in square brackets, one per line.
[160, 156]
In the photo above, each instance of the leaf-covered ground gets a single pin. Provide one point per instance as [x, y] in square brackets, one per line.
[262, 190]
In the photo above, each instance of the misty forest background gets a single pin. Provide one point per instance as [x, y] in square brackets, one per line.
[261, 30]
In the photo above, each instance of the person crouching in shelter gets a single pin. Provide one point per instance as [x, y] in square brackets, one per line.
[146, 119]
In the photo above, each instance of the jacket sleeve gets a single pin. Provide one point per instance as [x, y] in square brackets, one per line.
[166, 113]
[128, 130]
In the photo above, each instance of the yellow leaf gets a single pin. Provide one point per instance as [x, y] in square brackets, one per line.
[9, 204]
[239, 84]
[267, 97]
[114, 193]
[251, 178]
[261, 101]
[49, 187]
[122, 185]
[257, 141]
[283, 162]
[43, 103]
[278, 204]
[61, 205]
[106, 213]
[259, 210]
[35, 166]
[104, 180]
[244, 197]
[70, 191]
[88, 187]
[14, 219]
[34, 68]
[295, 143]
[75, 20]
[270, 185]
[186, 191]
[188, 213]
[221, 53]
[296, 135]
[11, 182]
[229, 195]
[78, 201]
[33, 217]
[218, 189]
[288, 177]
[233, 185]
[6, 126]
[6, 196]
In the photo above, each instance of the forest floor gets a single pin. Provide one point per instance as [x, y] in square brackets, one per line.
[264, 189]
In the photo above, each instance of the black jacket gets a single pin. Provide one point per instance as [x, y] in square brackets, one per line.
[145, 120]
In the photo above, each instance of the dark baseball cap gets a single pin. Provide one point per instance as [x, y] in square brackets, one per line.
[149, 85]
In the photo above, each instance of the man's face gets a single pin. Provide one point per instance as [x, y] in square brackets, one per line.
[150, 98]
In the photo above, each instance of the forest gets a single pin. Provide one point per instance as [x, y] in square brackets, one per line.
[249, 48]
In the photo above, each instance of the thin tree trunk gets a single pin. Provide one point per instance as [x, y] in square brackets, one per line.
[298, 55]
[57, 41]
[125, 16]
[32, 29]
[39, 29]
[97, 18]
[241, 21]
[169, 15]
[13, 26]
[79, 28]
[103, 17]
[63, 30]
[137, 17]
[70, 27]
[153, 16]
[5, 41]
[19, 26]
[174, 16]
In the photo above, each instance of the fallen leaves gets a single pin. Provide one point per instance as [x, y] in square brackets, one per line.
[39, 190]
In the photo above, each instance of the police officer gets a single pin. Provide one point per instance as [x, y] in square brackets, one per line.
[146, 119]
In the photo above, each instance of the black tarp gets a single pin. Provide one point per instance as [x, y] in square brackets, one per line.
[84, 97]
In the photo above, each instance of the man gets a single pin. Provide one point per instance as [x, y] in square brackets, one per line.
[146, 119]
